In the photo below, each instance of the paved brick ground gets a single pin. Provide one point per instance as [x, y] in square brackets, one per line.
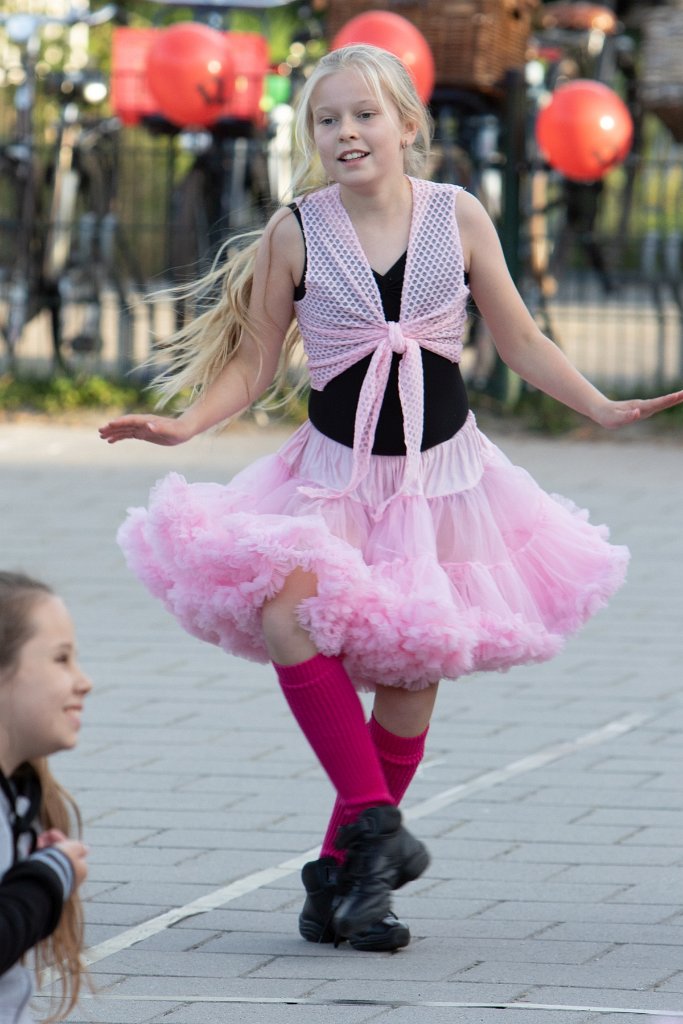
[551, 796]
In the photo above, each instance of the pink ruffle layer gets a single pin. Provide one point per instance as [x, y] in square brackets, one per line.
[480, 570]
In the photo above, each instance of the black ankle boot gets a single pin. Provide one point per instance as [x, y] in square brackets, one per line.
[381, 855]
[321, 880]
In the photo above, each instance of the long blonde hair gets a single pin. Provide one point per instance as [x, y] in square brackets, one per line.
[198, 352]
[62, 950]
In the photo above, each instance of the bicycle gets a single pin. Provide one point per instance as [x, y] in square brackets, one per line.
[576, 42]
[58, 232]
[228, 187]
[225, 191]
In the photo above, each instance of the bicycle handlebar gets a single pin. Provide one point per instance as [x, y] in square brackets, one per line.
[21, 27]
[224, 5]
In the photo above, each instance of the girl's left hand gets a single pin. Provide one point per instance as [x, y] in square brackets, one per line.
[619, 414]
[50, 838]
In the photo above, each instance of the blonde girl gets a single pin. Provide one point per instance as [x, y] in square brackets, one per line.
[42, 690]
[388, 544]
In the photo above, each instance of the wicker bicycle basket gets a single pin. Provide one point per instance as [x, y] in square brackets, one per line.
[661, 87]
[474, 42]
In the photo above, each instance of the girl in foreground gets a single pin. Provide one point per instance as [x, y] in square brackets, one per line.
[42, 690]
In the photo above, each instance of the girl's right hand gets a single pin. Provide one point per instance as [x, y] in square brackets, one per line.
[165, 430]
[77, 852]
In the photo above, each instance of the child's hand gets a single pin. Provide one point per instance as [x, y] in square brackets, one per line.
[77, 852]
[618, 414]
[50, 838]
[165, 430]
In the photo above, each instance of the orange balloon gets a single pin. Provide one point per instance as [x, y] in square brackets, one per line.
[585, 130]
[190, 72]
[399, 36]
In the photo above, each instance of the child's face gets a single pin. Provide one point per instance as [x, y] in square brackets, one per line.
[358, 138]
[41, 702]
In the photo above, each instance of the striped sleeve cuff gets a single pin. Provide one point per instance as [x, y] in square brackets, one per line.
[60, 864]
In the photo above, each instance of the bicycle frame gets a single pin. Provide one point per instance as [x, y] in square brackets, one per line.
[32, 282]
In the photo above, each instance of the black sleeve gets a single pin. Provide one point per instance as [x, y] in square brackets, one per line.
[31, 900]
[300, 289]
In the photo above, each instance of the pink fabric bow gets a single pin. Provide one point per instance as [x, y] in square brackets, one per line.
[389, 339]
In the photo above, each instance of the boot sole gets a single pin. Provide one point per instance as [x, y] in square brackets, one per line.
[395, 938]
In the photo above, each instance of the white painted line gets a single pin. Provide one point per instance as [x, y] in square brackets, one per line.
[664, 1016]
[221, 897]
[212, 901]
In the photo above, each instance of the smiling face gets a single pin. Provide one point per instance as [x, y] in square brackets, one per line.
[359, 137]
[41, 698]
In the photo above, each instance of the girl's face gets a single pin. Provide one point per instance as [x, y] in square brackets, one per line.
[41, 701]
[358, 138]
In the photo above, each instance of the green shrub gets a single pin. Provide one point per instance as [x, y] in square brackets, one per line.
[539, 413]
[60, 393]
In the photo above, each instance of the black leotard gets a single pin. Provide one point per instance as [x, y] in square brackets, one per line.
[332, 411]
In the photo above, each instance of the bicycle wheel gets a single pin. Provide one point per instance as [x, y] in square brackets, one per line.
[76, 262]
[194, 237]
[193, 214]
[226, 191]
[21, 296]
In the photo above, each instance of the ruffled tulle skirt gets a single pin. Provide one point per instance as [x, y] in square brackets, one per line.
[481, 570]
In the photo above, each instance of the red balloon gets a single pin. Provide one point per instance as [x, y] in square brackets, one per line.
[399, 36]
[585, 130]
[191, 74]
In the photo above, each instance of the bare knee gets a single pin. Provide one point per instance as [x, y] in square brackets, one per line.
[287, 641]
[404, 712]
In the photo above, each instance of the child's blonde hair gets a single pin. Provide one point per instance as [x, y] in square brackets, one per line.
[198, 352]
[19, 595]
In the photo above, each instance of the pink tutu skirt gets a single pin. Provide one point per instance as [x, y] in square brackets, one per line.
[481, 570]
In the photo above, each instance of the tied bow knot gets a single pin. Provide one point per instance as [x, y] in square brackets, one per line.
[397, 339]
[390, 339]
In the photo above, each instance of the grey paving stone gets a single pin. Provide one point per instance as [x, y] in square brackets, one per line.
[199, 987]
[550, 892]
[591, 976]
[609, 996]
[630, 854]
[345, 963]
[423, 990]
[627, 1018]
[592, 931]
[174, 964]
[105, 1011]
[647, 913]
[474, 1015]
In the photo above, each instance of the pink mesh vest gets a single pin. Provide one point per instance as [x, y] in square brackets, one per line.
[341, 317]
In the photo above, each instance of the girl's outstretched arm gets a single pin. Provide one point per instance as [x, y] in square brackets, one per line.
[279, 265]
[518, 339]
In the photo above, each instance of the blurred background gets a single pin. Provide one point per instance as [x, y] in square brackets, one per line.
[135, 138]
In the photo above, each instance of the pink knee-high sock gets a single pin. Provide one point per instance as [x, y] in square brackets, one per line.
[400, 757]
[330, 714]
